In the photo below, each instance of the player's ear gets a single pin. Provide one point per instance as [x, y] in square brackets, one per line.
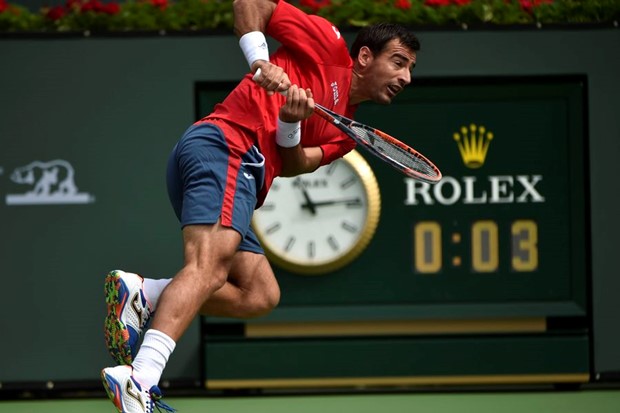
[364, 57]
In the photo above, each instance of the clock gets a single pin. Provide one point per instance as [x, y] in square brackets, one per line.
[319, 222]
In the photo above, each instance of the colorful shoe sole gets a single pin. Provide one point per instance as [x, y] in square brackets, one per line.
[116, 333]
[112, 388]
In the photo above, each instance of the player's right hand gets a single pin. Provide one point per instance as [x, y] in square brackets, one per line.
[270, 77]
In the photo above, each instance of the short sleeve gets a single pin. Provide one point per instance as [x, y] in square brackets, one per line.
[336, 149]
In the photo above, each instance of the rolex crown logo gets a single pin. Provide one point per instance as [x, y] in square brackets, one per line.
[473, 143]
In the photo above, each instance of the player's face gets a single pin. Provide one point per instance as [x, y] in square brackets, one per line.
[389, 72]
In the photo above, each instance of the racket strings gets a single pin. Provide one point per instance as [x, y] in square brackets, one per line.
[395, 152]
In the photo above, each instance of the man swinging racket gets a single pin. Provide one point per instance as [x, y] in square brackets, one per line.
[221, 170]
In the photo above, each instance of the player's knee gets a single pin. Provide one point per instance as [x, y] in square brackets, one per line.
[208, 280]
[260, 304]
[218, 281]
[272, 299]
[218, 275]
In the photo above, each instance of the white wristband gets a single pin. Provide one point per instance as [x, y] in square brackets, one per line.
[288, 134]
[254, 47]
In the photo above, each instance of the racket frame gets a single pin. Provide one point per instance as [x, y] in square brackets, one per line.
[345, 125]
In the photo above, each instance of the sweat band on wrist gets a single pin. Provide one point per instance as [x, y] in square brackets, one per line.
[288, 134]
[254, 47]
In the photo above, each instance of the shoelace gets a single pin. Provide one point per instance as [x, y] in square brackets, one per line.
[156, 396]
[147, 314]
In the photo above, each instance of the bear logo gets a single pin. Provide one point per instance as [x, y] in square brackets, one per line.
[50, 182]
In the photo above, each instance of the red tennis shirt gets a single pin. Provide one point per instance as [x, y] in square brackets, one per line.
[314, 55]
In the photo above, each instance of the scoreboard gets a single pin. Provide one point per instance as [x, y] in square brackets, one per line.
[508, 221]
[500, 245]
[511, 210]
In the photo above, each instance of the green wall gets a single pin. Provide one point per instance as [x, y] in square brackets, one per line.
[113, 108]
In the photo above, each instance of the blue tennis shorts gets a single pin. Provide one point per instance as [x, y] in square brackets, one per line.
[207, 181]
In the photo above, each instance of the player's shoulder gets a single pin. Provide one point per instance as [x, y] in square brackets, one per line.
[328, 30]
[312, 24]
[309, 36]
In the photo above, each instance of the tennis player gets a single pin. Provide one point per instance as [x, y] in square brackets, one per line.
[221, 169]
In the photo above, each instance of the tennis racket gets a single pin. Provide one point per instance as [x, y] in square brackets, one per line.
[387, 148]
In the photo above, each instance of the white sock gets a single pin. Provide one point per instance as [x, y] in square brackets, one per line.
[152, 357]
[153, 289]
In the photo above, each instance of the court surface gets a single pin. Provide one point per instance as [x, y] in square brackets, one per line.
[584, 401]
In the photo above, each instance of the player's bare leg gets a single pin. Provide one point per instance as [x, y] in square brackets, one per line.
[250, 291]
[209, 251]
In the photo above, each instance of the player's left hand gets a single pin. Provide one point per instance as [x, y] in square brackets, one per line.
[270, 77]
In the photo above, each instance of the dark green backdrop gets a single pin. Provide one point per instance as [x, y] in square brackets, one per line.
[113, 108]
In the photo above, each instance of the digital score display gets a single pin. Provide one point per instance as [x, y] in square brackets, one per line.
[484, 246]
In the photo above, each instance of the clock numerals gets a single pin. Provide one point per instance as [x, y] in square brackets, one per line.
[331, 240]
[331, 168]
[289, 244]
[348, 182]
[273, 228]
[347, 226]
[311, 249]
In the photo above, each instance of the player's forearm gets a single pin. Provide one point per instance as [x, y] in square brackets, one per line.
[299, 160]
[252, 15]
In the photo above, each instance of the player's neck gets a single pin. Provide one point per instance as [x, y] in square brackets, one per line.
[356, 92]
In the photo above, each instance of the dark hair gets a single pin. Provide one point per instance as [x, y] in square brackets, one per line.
[376, 36]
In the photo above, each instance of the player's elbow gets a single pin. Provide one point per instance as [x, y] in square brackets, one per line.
[299, 160]
[252, 15]
[265, 6]
[289, 170]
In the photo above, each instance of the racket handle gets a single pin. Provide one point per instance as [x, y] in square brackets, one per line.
[255, 78]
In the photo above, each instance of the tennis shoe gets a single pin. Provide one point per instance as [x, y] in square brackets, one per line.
[128, 313]
[127, 394]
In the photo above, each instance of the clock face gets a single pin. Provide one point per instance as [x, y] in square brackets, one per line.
[318, 222]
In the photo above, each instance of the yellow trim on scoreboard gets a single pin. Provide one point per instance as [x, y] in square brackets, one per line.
[405, 327]
[397, 381]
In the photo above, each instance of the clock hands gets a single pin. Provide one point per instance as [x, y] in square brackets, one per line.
[309, 204]
[348, 202]
[312, 205]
